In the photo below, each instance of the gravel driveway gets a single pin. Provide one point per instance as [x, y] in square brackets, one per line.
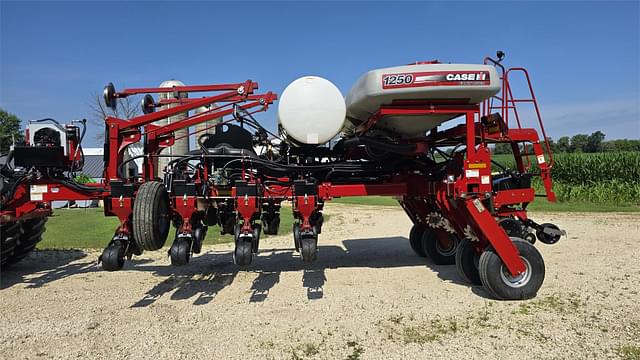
[367, 297]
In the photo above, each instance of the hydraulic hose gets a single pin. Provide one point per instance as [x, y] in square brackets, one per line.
[403, 149]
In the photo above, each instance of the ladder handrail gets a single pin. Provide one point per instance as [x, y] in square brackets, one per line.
[534, 100]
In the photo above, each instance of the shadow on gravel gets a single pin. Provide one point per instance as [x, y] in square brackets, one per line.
[45, 266]
[209, 273]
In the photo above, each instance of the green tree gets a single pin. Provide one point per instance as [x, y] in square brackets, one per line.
[594, 142]
[579, 142]
[9, 130]
[563, 145]
[502, 148]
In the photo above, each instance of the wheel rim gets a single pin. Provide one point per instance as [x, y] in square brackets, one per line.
[448, 250]
[517, 281]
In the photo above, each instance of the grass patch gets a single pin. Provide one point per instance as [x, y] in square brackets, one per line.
[629, 352]
[367, 200]
[542, 205]
[566, 304]
[434, 330]
[90, 229]
[421, 332]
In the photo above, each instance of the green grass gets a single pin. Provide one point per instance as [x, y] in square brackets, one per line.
[629, 352]
[366, 200]
[90, 229]
[542, 205]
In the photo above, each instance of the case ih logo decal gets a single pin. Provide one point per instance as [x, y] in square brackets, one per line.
[435, 78]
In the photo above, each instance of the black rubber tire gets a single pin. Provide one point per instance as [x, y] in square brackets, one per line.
[546, 238]
[180, 252]
[296, 236]
[9, 237]
[113, 257]
[271, 226]
[415, 239]
[266, 225]
[317, 220]
[151, 217]
[198, 238]
[255, 241]
[495, 278]
[433, 249]
[30, 235]
[32, 231]
[309, 248]
[467, 260]
[242, 255]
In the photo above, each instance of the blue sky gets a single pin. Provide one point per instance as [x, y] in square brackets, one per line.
[584, 57]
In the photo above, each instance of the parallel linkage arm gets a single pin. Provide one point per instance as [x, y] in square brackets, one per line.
[122, 133]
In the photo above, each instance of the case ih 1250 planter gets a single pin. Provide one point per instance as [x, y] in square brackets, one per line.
[392, 143]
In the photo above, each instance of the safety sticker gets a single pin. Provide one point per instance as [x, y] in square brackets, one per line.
[485, 179]
[472, 173]
[38, 189]
[540, 159]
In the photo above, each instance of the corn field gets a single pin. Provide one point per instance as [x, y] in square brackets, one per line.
[595, 177]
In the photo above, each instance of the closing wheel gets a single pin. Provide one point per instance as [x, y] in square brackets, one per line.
[151, 216]
[242, 255]
[415, 239]
[271, 225]
[467, 260]
[548, 239]
[255, 240]
[309, 246]
[180, 252]
[296, 236]
[500, 283]
[440, 246]
[316, 221]
[113, 257]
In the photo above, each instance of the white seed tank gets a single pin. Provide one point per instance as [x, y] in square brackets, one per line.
[311, 111]
[181, 146]
[433, 83]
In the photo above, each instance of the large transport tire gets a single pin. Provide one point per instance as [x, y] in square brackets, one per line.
[151, 216]
[467, 260]
[20, 238]
[415, 239]
[440, 246]
[496, 278]
[9, 236]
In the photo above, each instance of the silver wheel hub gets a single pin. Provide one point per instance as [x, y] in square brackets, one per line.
[519, 280]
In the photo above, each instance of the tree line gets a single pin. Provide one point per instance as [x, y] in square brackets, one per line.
[582, 143]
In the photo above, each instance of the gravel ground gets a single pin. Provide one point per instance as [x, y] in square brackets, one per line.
[367, 297]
